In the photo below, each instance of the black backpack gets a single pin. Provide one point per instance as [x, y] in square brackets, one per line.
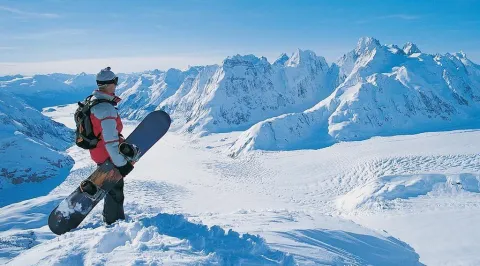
[84, 135]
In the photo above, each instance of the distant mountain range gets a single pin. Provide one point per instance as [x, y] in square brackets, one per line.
[383, 90]
[298, 101]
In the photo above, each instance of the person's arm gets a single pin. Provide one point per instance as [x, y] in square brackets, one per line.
[112, 140]
[108, 115]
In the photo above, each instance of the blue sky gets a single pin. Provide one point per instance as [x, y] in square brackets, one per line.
[75, 36]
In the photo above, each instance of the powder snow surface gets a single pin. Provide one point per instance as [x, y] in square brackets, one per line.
[382, 201]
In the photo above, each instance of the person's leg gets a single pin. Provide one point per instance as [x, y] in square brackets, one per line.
[113, 204]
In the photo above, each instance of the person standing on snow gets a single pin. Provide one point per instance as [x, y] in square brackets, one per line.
[108, 126]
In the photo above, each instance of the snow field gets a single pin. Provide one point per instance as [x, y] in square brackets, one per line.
[199, 206]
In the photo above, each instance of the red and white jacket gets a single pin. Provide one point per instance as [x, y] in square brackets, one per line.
[106, 124]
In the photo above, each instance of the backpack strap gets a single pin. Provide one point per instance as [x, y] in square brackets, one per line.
[88, 103]
[97, 101]
[85, 102]
[91, 103]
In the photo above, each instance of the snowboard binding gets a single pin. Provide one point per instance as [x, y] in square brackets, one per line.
[130, 151]
[88, 187]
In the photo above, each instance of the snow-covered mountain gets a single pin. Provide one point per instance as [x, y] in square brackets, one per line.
[143, 93]
[298, 101]
[247, 89]
[32, 150]
[10, 77]
[179, 105]
[83, 81]
[62, 77]
[410, 48]
[38, 90]
[48, 90]
[384, 90]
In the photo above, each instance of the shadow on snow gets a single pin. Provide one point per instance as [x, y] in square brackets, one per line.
[349, 248]
[230, 247]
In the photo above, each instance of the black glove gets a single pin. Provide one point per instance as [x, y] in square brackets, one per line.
[126, 169]
[129, 151]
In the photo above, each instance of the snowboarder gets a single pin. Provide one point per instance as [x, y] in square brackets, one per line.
[98, 129]
[108, 126]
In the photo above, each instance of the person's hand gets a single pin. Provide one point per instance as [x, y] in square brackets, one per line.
[129, 151]
[126, 169]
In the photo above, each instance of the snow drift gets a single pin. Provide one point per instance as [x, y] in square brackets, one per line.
[164, 239]
[378, 193]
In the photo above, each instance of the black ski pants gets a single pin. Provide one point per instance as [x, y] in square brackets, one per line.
[113, 204]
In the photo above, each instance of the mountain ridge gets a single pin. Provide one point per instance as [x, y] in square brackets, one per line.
[384, 91]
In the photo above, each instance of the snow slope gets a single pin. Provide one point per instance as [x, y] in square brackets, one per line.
[28, 136]
[402, 193]
[384, 91]
[208, 211]
[422, 189]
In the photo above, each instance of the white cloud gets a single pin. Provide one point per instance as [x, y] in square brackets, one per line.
[144, 62]
[401, 16]
[27, 14]
[4, 48]
[49, 34]
[120, 64]
[392, 16]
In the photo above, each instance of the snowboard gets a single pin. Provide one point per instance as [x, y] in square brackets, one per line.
[73, 210]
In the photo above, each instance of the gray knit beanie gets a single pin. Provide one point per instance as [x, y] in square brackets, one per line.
[106, 76]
